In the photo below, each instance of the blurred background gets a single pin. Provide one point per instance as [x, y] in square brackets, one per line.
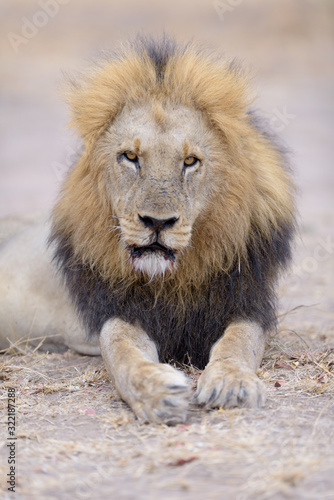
[288, 44]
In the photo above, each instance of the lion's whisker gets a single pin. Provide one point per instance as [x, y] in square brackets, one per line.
[112, 229]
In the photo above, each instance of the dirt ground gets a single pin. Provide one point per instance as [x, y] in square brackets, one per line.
[75, 437]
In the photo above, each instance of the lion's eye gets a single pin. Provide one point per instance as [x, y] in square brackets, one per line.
[190, 161]
[131, 156]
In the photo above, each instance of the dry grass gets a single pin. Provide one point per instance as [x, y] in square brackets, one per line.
[77, 437]
[288, 359]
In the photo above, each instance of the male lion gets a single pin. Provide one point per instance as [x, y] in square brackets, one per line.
[169, 234]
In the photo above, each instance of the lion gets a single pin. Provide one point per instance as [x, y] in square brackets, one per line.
[168, 237]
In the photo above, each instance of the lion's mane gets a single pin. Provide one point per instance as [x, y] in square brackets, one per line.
[238, 246]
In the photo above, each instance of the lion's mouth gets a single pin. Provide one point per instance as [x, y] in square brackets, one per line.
[154, 248]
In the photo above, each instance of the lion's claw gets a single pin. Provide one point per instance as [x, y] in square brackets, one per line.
[228, 386]
[160, 394]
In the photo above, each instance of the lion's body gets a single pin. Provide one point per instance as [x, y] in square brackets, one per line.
[171, 229]
[35, 304]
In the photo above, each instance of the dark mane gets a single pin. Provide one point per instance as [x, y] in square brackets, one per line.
[183, 332]
[159, 51]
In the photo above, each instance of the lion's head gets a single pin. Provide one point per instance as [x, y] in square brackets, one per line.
[160, 178]
[175, 178]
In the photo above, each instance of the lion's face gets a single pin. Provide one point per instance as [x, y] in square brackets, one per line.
[159, 179]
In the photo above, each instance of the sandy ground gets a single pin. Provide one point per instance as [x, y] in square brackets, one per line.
[75, 438]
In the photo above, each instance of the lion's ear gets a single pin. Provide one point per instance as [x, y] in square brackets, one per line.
[96, 98]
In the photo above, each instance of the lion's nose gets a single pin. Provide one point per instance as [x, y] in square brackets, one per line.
[157, 224]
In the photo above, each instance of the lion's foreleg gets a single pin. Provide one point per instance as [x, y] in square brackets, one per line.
[229, 380]
[156, 392]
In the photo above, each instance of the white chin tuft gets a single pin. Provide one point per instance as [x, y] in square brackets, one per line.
[152, 264]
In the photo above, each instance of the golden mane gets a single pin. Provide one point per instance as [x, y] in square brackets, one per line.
[256, 203]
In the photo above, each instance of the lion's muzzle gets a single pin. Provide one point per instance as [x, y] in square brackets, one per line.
[158, 225]
[167, 253]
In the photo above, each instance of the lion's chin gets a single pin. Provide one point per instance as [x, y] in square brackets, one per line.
[152, 260]
[153, 265]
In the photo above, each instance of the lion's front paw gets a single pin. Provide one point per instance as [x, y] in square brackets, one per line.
[159, 393]
[229, 386]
